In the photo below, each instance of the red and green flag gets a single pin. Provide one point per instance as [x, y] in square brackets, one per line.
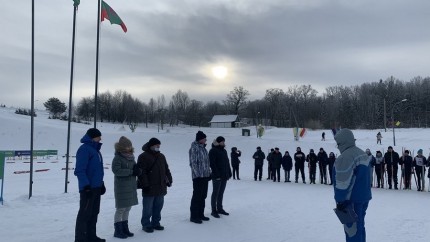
[108, 13]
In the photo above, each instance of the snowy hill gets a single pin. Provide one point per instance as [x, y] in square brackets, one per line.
[259, 211]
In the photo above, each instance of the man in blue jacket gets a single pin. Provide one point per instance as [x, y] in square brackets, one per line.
[89, 171]
[352, 183]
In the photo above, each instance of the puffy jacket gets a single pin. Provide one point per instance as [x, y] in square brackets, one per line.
[220, 164]
[287, 162]
[391, 158]
[199, 161]
[276, 160]
[155, 172]
[322, 158]
[89, 164]
[351, 170]
[259, 157]
[299, 158]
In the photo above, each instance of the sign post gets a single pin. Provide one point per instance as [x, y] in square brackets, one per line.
[2, 156]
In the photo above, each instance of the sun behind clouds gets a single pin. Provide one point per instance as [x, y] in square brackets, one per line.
[220, 72]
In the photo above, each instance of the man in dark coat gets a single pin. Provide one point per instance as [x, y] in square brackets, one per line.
[287, 165]
[276, 165]
[312, 159]
[391, 158]
[299, 164]
[155, 179]
[406, 163]
[89, 171]
[322, 164]
[221, 172]
[235, 154]
[259, 157]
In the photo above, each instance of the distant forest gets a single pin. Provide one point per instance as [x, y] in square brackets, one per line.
[358, 107]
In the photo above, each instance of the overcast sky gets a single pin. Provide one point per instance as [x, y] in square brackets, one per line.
[174, 44]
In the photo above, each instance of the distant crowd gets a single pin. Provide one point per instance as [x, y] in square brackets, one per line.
[151, 173]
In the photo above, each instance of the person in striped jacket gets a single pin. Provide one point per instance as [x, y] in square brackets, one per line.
[201, 175]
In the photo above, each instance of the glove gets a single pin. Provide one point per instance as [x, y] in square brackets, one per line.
[341, 206]
[87, 191]
[136, 171]
[103, 189]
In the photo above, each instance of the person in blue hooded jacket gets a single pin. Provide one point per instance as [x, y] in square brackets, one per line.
[352, 187]
[89, 171]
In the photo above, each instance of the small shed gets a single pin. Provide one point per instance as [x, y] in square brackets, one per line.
[225, 121]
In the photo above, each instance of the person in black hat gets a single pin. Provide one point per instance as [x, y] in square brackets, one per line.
[322, 164]
[312, 160]
[221, 172]
[391, 158]
[276, 165]
[90, 173]
[259, 157]
[201, 175]
[155, 179]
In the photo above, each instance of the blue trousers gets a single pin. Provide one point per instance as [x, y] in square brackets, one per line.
[356, 232]
[151, 211]
[218, 194]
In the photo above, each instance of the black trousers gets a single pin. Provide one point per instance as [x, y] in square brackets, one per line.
[312, 172]
[269, 171]
[300, 167]
[392, 174]
[323, 172]
[407, 178]
[258, 171]
[200, 192]
[86, 221]
[379, 175]
[235, 172]
[420, 172]
[276, 173]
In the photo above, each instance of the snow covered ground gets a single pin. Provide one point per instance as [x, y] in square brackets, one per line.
[259, 211]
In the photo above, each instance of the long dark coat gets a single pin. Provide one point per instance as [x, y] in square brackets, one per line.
[154, 180]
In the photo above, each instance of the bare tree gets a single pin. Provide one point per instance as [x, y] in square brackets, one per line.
[236, 99]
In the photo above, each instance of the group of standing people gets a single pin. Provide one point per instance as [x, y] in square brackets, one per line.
[386, 168]
[276, 160]
[150, 173]
[209, 166]
[349, 174]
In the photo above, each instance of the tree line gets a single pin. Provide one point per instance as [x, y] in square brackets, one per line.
[368, 106]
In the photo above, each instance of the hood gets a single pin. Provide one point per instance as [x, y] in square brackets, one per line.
[87, 140]
[344, 139]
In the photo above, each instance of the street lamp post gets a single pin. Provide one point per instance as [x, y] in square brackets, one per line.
[392, 120]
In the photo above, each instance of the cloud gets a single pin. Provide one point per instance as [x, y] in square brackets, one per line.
[171, 45]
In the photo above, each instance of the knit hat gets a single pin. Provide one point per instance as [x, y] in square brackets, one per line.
[407, 151]
[153, 141]
[93, 132]
[200, 135]
[390, 147]
[124, 145]
[220, 139]
[258, 148]
[420, 151]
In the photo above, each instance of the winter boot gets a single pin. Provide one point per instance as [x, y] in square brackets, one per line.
[125, 229]
[119, 231]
